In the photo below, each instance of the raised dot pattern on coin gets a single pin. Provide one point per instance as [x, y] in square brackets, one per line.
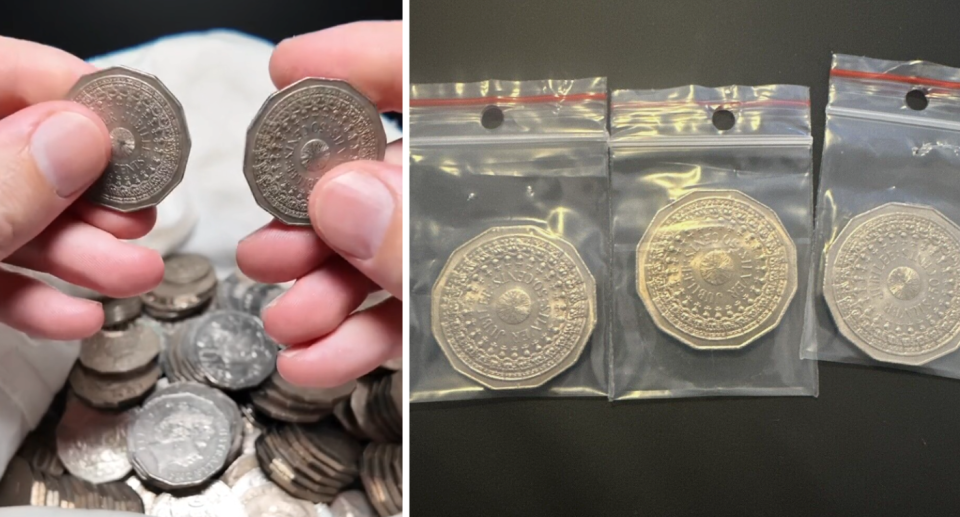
[891, 283]
[716, 269]
[300, 133]
[514, 307]
[149, 137]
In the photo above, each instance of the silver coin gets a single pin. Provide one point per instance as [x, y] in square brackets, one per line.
[216, 500]
[716, 269]
[179, 440]
[514, 307]
[189, 283]
[121, 351]
[225, 404]
[231, 349]
[119, 311]
[301, 132]
[148, 133]
[270, 501]
[321, 397]
[92, 444]
[890, 281]
[113, 391]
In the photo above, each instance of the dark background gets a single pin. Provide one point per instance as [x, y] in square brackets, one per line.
[89, 28]
[876, 442]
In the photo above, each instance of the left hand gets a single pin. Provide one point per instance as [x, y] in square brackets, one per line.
[356, 243]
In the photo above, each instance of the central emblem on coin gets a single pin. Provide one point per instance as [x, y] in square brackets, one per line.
[315, 156]
[123, 142]
[514, 307]
[716, 269]
[890, 282]
[904, 283]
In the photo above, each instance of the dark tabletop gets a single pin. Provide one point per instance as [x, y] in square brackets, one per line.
[876, 442]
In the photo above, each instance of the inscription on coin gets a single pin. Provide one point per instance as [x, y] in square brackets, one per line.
[232, 350]
[890, 282]
[514, 307]
[300, 133]
[148, 135]
[716, 269]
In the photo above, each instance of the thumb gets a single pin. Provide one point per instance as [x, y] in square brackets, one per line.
[357, 209]
[49, 154]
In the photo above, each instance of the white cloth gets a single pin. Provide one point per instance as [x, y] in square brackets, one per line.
[222, 79]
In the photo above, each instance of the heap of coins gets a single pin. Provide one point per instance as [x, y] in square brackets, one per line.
[179, 412]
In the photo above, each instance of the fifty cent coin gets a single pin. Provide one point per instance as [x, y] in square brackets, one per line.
[890, 281]
[301, 132]
[716, 269]
[514, 307]
[231, 349]
[148, 133]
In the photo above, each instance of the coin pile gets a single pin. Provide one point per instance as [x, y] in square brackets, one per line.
[181, 412]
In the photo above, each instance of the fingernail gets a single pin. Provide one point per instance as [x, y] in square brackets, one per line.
[68, 149]
[292, 351]
[353, 212]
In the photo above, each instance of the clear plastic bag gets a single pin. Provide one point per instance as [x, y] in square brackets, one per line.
[530, 157]
[709, 212]
[887, 218]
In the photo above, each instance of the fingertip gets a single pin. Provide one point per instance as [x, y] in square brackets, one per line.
[308, 372]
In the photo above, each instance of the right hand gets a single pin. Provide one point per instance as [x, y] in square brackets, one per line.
[51, 151]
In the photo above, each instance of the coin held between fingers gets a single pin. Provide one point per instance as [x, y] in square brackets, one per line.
[64, 146]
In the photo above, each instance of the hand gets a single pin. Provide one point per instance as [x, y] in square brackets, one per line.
[50, 152]
[355, 245]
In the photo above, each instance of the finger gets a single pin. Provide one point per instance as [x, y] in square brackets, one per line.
[316, 304]
[41, 311]
[368, 55]
[49, 153]
[358, 346]
[90, 257]
[394, 153]
[357, 209]
[131, 225]
[280, 253]
[32, 73]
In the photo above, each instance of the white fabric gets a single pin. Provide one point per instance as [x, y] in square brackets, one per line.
[222, 79]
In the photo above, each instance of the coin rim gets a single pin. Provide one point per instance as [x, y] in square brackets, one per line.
[833, 249]
[185, 144]
[700, 343]
[567, 362]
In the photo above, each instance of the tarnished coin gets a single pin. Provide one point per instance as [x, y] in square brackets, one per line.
[179, 440]
[514, 307]
[189, 284]
[890, 281]
[121, 351]
[117, 311]
[148, 133]
[231, 349]
[215, 500]
[92, 444]
[301, 132]
[716, 269]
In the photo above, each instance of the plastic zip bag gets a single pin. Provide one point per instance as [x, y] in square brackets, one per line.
[884, 289]
[509, 239]
[711, 215]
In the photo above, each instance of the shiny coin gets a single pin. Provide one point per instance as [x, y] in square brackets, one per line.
[148, 132]
[120, 351]
[300, 133]
[179, 440]
[189, 284]
[113, 391]
[225, 404]
[716, 269]
[92, 444]
[119, 311]
[231, 349]
[514, 307]
[890, 282]
[215, 500]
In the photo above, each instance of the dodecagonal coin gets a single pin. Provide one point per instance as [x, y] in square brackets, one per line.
[149, 139]
[179, 440]
[117, 311]
[716, 269]
[225, 404]
[322, 397]
[277, 411]
[890, 282]
[332, 476]
[283, 475]
[189, 283]
[301, 132]
[92, 444]
[120, 351]
[113, 391]
[305, 475]
[514, 307]
[333, 446]
[231, 349]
